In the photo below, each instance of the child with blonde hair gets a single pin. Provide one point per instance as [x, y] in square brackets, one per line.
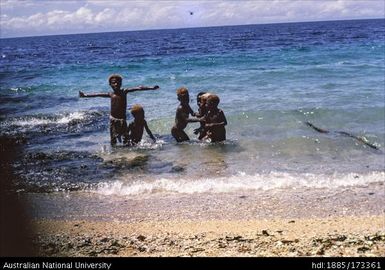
[136, 127]
[182, 115]
[215, 120]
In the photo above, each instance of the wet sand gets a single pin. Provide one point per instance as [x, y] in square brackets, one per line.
[338, 222]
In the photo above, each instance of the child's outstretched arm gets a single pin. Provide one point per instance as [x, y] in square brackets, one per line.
[149, 132]
[195, 119]
[140, 88]
[82, 95]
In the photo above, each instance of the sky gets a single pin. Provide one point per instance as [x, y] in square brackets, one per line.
[51, 17]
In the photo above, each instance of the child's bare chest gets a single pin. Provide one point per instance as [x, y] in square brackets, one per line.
[118, 99]
[213, 118]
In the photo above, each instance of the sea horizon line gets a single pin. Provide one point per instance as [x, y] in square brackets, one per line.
[189, 28]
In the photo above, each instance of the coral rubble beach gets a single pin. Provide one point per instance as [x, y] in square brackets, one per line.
[347, 222]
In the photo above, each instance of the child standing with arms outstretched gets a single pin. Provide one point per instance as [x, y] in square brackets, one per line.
[118, 124]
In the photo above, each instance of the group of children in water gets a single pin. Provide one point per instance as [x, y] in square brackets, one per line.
[212, 119]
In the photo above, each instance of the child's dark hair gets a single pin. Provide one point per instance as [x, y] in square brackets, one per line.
[115, 76]
[200, 94]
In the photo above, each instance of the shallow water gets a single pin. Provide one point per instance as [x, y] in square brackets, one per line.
[271, 79]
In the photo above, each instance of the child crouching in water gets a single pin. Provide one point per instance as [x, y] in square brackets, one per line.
[136, 127]
[215, 120]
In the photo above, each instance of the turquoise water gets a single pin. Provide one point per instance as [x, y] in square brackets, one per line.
[270, 78]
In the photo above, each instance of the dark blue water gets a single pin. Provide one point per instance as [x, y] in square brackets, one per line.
[270, 78]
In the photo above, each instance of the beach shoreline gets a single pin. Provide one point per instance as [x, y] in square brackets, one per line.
[337, 236]
[339, 222]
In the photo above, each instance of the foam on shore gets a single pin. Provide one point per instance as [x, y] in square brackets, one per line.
[241, 181]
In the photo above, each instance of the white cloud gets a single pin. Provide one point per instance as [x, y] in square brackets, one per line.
[105, 16]
[57, 17]
[12, 4]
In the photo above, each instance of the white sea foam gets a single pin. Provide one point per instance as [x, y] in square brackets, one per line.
[241, 181]
[38, 121]
[70, 117]
[147, 144]
[30, 122]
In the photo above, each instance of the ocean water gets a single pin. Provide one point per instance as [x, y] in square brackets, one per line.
[271, 79]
